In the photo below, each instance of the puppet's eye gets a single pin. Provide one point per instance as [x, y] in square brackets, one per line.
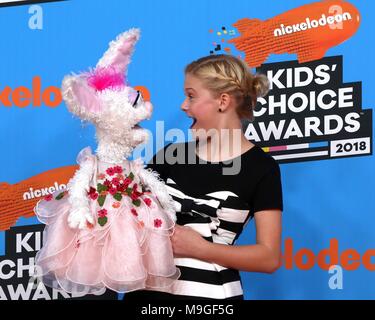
[138, 100]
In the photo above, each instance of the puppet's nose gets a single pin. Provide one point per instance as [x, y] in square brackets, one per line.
[149, 108]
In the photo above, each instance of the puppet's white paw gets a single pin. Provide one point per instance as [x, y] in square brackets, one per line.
[171, 213]
[79, 217]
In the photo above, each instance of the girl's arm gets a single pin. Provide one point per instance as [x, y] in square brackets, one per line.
[264, 256]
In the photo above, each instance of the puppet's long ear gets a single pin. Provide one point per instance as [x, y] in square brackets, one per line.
[120, 51]
[80, 98]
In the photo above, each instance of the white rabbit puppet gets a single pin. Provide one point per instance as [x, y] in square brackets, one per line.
[110, 228]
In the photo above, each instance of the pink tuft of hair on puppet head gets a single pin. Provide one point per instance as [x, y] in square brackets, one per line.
[104, 78]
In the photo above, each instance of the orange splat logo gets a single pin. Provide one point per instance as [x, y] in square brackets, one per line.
[308, 31]
[18, 200]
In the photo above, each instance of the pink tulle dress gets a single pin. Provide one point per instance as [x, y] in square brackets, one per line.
[127, 248]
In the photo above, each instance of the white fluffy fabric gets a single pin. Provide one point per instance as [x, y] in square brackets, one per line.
[78, 187]
[151, 179]
[114, 117]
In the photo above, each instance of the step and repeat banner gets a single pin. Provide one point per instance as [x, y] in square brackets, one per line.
[316, 122]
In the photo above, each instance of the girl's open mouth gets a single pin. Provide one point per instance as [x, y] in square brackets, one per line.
[194, 122]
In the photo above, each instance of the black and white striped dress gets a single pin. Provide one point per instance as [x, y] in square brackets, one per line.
[217, 206]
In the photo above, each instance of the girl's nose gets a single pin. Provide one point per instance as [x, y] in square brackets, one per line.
[184, 105]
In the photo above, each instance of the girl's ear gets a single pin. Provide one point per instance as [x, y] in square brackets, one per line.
[120, 51]
[81, 99]
[224, 101]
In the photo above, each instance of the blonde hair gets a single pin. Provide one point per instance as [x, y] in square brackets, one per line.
[224, 73]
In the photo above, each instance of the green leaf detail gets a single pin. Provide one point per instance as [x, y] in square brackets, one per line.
[101, 200]
[129, 191]
[131, 176]
[60, 196]
[102, 221]
[117, 196]
[137, 202]
[101, 187]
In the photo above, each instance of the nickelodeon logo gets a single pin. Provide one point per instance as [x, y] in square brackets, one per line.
[22, 96]
[305, 259]
[32, 194]
[308, 24]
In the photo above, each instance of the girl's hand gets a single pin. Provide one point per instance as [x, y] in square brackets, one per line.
[188, 243]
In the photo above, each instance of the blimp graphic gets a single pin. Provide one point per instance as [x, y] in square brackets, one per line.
[307, 31]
